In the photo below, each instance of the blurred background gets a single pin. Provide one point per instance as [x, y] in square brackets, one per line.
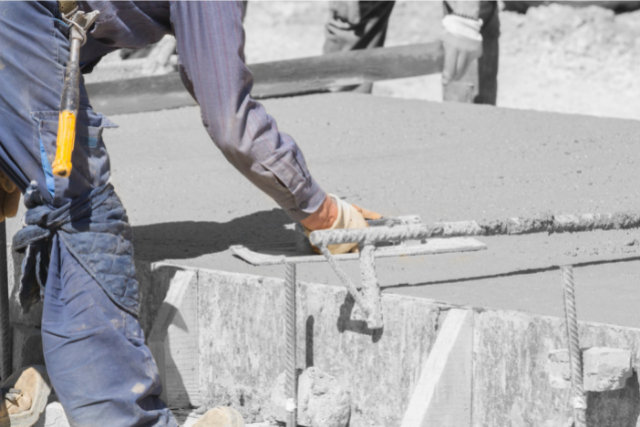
[574, 57]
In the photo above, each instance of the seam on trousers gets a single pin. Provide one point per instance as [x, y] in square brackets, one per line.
[46, 167]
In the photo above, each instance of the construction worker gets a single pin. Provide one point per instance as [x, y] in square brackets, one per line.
[471, 31]
[77, 238]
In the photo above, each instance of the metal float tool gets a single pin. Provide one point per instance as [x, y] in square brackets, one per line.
[384, 238]
[79, 23]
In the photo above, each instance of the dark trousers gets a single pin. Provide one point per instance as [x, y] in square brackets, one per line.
[363, 25]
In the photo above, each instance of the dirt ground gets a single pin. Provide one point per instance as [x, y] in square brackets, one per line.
[554, 58]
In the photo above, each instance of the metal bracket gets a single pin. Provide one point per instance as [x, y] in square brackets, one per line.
[367, 295]
[80, 23]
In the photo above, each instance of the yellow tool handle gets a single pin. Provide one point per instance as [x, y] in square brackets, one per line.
[69, 102]
[66, 139]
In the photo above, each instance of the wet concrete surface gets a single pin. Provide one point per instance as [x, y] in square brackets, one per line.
[441, 161]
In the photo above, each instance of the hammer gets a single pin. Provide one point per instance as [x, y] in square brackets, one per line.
[80, 23]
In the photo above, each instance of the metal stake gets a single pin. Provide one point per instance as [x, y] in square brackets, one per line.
[5, 323]
[571, 320]
[292, 392]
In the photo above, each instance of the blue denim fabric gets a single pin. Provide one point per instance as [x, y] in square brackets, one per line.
[95, 352]
[98, 363]
[95, 229]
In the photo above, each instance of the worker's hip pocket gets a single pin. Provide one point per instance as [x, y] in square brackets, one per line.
[90, 160]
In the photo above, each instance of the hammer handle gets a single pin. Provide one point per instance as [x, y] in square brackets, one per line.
[67, 119]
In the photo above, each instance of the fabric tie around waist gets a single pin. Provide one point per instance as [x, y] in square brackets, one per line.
[95, 230]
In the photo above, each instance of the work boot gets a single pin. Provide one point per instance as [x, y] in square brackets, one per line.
[24, 396]
[221, 416]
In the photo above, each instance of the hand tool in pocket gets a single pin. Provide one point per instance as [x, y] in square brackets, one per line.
[79, 23]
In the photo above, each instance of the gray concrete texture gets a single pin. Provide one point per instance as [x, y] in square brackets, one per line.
[441, 161]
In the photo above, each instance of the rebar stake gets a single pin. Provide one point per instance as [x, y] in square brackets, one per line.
[5, 326]
[571, 319]
[292, 395]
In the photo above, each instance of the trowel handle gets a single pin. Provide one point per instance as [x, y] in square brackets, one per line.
[67, 120]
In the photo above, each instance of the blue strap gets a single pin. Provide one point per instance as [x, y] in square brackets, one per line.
[48, 172]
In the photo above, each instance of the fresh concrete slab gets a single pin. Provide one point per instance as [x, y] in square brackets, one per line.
[440, 161]
[443, 162]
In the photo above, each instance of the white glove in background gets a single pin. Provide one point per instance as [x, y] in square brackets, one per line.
[462, 44]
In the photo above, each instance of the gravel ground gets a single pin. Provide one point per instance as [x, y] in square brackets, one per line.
[554, 58]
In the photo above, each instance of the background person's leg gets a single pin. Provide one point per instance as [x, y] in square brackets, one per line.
[488, 62]
[357, 25]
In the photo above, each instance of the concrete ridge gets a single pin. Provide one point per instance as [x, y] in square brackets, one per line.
[543, 223]
[530, 270]
[443, 306]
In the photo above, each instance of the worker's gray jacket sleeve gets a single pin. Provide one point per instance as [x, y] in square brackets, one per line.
[210, 40]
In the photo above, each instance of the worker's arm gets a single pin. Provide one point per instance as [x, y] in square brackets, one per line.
[210, 41]
[461, 40]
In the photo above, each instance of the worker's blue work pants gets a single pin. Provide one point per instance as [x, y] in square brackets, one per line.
[99, 365]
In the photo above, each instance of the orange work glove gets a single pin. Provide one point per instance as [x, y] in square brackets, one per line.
[349, 216]
[9, 198]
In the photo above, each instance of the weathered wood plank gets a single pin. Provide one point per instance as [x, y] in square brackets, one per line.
[174, 342]
[304, 75]
[442, 396]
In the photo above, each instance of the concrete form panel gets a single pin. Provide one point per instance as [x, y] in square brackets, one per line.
[174, 342]
[242, 344]
[510, 380]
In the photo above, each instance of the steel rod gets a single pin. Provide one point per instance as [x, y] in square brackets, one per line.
[571, 320]
[292, 398]
[370, 235]
[5, 321]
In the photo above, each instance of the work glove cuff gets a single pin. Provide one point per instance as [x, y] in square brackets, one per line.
[348, 217]
[463, 27]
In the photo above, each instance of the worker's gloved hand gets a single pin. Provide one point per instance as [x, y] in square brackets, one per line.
[462, 44]
[348, 216]
[9, 198]
[221, 416]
